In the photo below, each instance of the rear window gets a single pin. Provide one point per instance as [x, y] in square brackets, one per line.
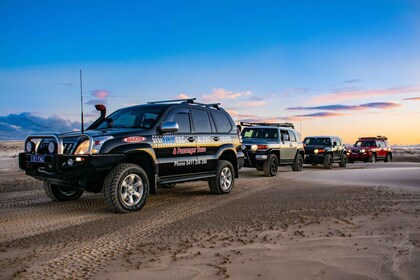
[267, 133]
[222, 122]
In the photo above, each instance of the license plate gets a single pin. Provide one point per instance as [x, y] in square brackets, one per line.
[37, 158]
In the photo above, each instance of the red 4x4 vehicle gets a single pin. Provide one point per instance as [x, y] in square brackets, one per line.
[370, 149]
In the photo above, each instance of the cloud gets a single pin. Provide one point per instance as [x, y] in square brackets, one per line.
[219, 94]
[360, 94]
[313, 116]
[340, 107]
[182, 96]
[100, 97]
[412, 98]
[18, 126]
[100, 93]
[352, 81]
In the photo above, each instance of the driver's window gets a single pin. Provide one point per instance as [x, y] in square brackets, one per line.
[285, 135]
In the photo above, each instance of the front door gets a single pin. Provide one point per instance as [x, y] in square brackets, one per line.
[177, 152]
[287, 151]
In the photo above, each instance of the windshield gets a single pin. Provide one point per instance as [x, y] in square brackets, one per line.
[318, 141]
[266, 133]
[365, 144]
[134, 117]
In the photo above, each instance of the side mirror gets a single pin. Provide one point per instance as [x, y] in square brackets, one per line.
[169, 127]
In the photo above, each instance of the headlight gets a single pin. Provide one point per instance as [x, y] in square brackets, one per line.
[362, 150]
[316, 151]
[83, 148]
[254, 148]
[98, 142]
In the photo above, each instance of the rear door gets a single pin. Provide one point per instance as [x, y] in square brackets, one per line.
[177, 152]
[294, 141]
[207, 139]
[336, 148]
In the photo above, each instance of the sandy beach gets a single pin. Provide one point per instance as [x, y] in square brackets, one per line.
[284, 227]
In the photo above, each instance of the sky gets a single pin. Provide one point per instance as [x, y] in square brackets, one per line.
[346, 68]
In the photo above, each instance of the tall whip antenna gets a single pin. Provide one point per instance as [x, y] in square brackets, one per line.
[81, 100]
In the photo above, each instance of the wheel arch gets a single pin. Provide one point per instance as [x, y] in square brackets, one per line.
[146, 161]
[230, 156]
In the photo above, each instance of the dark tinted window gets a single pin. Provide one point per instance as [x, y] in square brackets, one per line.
[365, 144]
[183, 120]
[223, 124]
[134, 117]
[269, 133]
[201, 121]
[317, 141]
[292, 136]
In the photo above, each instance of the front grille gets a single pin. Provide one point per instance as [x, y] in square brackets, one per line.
[68, 148]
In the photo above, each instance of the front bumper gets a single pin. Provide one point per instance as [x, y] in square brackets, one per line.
[56, 169]
[314, 158]
[253, 159]
[359, 156]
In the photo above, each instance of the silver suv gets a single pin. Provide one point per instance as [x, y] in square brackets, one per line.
[268, 145]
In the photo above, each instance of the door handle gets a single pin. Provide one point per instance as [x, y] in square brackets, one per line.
[216, 138]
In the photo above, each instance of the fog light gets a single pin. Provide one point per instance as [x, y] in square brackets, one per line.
[78, 159]
[51, 147]
[70, 162]
[30, 146]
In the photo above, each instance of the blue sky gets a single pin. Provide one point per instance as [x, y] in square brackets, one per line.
[258, 59]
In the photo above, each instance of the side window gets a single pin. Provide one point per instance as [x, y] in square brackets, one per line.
[183, 120]
[336, 141]
[223, 124]
[201, 121]
[292, 136]
[285, 135]
[378, 144]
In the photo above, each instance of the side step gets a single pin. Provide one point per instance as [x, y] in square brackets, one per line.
[186, 178]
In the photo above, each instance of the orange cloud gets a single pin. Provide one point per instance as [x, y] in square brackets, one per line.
[412, 98]
[360, 94]
[182, 96]
[222, 94]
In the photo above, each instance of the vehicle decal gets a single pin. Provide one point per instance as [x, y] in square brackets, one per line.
[190, 162]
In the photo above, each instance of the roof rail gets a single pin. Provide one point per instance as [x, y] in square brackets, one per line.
[373, 138]
[268, 124]
[188, 100]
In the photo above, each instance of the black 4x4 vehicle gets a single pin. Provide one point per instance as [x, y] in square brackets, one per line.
[325, 150]
[268, 145]
[130, 152]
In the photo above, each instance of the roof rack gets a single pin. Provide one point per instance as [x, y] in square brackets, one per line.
[373, 138]
[268, 124]
[188, 101]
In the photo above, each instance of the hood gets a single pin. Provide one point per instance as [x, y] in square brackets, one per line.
[262, 141]
[107, 132]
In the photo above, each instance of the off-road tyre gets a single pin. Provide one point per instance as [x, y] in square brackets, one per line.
[271, 165]
[225, 178]
[60, 193]
[388, 158]
[328, 161]
[114, 189]
[343, 161]
[372, 158]
[298, 163]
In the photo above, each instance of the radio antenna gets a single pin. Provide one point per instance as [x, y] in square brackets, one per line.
[81, 100]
